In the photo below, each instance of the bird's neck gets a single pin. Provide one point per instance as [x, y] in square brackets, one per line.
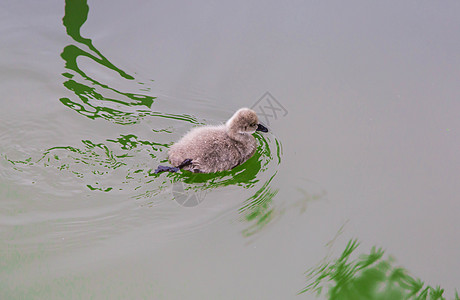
[237, 136]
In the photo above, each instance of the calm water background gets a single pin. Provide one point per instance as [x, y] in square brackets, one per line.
[369, 147]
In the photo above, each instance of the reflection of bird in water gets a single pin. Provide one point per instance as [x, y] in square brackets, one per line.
[209, 149]
[187, 198]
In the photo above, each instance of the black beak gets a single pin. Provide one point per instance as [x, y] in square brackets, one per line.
[262, 128]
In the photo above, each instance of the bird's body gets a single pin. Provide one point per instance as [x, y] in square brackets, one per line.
[209, 149]
[212, 149]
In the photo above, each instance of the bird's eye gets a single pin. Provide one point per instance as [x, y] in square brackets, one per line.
[253, 124]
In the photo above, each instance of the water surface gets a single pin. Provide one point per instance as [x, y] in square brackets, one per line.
[363, 145]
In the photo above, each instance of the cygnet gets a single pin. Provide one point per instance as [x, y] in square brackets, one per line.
[209, 149]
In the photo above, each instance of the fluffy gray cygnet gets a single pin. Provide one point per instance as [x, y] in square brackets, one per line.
[209, 149]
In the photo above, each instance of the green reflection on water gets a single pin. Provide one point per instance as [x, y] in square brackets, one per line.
[370, 276]
[93, 160]
[258, 209]
[92, 102]
[76, 14]
[130, 141]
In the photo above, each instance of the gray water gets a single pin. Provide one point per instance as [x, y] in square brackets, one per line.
[364, 117]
